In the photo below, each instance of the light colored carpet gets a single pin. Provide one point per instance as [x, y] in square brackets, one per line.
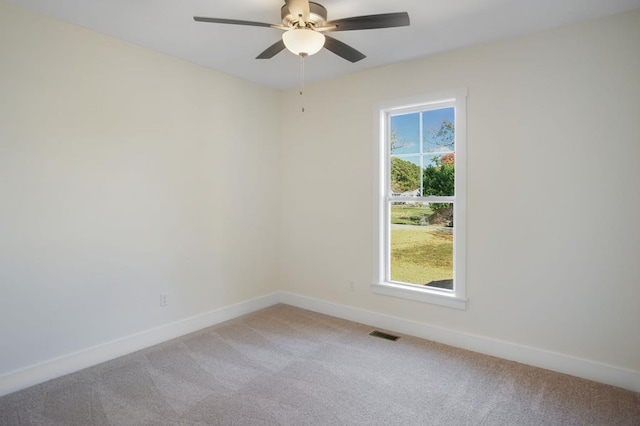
[288, 366]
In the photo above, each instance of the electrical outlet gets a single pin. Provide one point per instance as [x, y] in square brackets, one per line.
[164, 298]
[352, 285]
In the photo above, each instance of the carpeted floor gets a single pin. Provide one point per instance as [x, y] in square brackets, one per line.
[288, 366]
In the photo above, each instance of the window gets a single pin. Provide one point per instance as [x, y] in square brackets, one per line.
[420, 196]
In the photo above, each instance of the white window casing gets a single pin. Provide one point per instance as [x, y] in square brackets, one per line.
[382, 283]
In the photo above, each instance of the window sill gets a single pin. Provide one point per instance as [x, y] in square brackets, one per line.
[420, 294]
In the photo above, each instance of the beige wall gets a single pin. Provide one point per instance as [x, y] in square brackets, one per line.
[124, 173]
[553, 175]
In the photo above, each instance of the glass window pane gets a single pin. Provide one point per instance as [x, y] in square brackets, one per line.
[439, 130]
[422, 244]
[438, 175]
[405, 176]
[405, 134]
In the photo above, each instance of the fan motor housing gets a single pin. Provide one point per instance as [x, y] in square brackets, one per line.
[317, 16]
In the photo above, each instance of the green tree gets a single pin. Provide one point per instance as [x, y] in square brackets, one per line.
[439, 178]
[405, 176]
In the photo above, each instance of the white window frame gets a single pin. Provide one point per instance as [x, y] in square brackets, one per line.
[382, 284]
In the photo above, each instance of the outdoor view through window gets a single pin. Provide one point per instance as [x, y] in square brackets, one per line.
[421, 197]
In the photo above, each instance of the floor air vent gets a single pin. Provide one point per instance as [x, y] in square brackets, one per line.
[382, 335]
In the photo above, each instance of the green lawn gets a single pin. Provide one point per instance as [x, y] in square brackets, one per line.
[419, 254]
[410, 214]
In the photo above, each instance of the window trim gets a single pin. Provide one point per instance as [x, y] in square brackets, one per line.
[455, 298]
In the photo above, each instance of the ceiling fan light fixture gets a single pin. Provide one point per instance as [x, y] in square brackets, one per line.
[303, 41]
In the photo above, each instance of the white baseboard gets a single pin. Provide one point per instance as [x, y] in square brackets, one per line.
[71, 363]
[591, 370]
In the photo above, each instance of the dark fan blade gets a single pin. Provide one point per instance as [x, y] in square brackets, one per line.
[370, 22]
[272, 50]
[231, 21]
[343, 50]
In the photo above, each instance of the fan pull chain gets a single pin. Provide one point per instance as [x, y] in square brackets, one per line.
[302, 56]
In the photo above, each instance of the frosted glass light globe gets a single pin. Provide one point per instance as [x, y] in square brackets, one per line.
[303, 41]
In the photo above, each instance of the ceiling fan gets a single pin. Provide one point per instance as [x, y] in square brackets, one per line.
[305, 23]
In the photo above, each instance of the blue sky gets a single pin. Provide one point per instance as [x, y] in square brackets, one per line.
[407, 128]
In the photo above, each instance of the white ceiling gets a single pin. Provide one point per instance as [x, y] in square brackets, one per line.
[436, 25]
